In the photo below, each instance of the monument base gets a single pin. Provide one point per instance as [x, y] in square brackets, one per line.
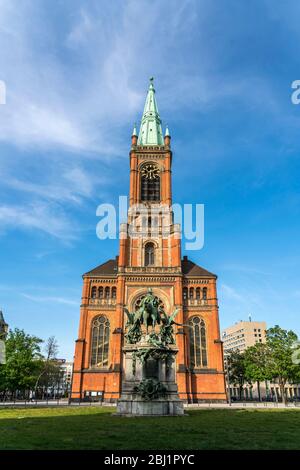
[158, 407]
[149, 387]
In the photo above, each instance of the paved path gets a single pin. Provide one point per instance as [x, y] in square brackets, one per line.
[195, 406]
[237, 405]
[49, 403]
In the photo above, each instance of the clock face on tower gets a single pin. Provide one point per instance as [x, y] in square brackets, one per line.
[150, 171]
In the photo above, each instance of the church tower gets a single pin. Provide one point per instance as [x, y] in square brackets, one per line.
[149, 256]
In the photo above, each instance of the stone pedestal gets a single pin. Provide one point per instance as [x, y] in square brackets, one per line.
[149, 387]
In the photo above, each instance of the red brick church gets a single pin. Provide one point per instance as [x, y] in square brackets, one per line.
[149, 258]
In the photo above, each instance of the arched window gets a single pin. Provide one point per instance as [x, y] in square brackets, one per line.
[94, 292]
[107, 292]
[204, 293]
[150, 183]
[100, 342]
[198, 351]
[149, 254]
[114, 293]
[191, 293]
[198, 293]
[185, 293]
[100, 292]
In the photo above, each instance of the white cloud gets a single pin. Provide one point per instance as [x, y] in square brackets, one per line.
[51, 299]
[50, 198]
[44, 217]
[44, 105]
[245, 269]
[73, 85]
[81, 29]
[82, 182]
[231, 293]
[51, 103]
[61, 184]
[40, 123]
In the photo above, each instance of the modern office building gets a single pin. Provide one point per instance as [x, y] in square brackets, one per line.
[243, 334]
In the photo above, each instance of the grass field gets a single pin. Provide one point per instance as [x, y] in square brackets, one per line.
[96, 428]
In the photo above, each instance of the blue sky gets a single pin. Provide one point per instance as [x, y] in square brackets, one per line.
[76, 74]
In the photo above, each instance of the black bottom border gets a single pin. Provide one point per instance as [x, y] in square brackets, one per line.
[138, 458]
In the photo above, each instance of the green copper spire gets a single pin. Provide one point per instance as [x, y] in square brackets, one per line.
[150, 130]
[134, 132]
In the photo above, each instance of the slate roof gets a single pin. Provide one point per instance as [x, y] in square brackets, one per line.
[110, 268]
[192, 269]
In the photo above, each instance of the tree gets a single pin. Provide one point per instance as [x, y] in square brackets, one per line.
[23, 362]
[279, 358]
[255, 362]
[236, 370]
[50, 372]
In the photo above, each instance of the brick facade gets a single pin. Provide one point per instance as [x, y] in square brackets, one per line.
[179, 283]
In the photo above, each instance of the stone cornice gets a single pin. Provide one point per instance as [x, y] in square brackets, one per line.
[150, 279]
[151, 270]
[197, 280]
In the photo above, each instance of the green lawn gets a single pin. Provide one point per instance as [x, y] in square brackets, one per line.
[96, 428]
